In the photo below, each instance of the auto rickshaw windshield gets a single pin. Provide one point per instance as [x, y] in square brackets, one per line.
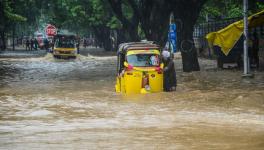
[143, 60]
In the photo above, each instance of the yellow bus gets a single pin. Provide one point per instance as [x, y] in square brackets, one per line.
[65, 46]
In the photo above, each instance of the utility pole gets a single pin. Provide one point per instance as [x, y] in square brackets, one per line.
[14, 27]
[246, 59]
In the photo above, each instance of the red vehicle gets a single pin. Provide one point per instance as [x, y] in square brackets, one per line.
[40, 38]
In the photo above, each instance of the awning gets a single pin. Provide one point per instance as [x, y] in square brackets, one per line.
[226, 38]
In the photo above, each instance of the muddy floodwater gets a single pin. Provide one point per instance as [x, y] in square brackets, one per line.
[71, 104]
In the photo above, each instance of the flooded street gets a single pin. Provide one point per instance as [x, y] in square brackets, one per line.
[71, 104]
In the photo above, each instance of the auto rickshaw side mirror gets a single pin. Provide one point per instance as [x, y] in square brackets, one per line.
[128, 66]
[125, 64]
[162, 65]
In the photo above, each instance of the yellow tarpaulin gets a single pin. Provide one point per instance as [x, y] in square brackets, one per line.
[226, 38]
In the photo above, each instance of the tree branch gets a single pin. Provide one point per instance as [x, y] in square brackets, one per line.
[116, 6]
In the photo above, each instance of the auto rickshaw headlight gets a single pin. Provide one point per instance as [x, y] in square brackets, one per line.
[130, 67]
[159, 70]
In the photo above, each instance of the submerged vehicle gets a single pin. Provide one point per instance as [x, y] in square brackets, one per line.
[139, 68]
[65, 46]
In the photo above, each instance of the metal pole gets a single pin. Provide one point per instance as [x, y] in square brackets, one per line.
[13, 36]
[246, 60]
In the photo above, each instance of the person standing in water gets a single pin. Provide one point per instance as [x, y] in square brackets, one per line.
[27, 44]
[169, 74]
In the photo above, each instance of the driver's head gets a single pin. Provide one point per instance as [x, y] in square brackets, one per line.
[166, 55]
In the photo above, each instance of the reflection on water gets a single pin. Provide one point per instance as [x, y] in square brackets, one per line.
[47, 103]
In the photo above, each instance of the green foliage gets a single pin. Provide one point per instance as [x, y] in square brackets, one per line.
[222, 9]
[234, 11]
[9, 13]
[114, 23]
[84, 14]
[260, 6]
[14, 17]
[128, 11]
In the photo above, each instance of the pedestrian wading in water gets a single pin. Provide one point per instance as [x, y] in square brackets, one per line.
[169, 74]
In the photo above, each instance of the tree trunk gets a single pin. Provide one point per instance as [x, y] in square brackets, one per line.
[252, 5]
[106, 40]
[155, 20]
[130, 25]
[187, 13]
[2, 26]
[121, 37]
[13, 36]
[188, 51]
[133, 33]
[3, 40]
[102, 35]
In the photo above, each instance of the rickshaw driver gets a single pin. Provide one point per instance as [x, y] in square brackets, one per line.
[169, 80]
[154, 60]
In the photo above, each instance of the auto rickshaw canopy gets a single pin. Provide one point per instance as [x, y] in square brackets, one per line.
[226, 38]
[148, 45]
[133, 52]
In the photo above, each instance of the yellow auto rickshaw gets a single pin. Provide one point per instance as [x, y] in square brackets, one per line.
[139, 68]
[65, 46]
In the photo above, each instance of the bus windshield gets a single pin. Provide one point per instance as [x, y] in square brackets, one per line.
[143, 60]
[65, 43]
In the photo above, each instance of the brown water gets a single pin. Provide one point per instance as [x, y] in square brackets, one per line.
[71, 104]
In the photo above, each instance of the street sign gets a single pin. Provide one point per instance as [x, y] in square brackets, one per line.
[172, 36]
[50, 30]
